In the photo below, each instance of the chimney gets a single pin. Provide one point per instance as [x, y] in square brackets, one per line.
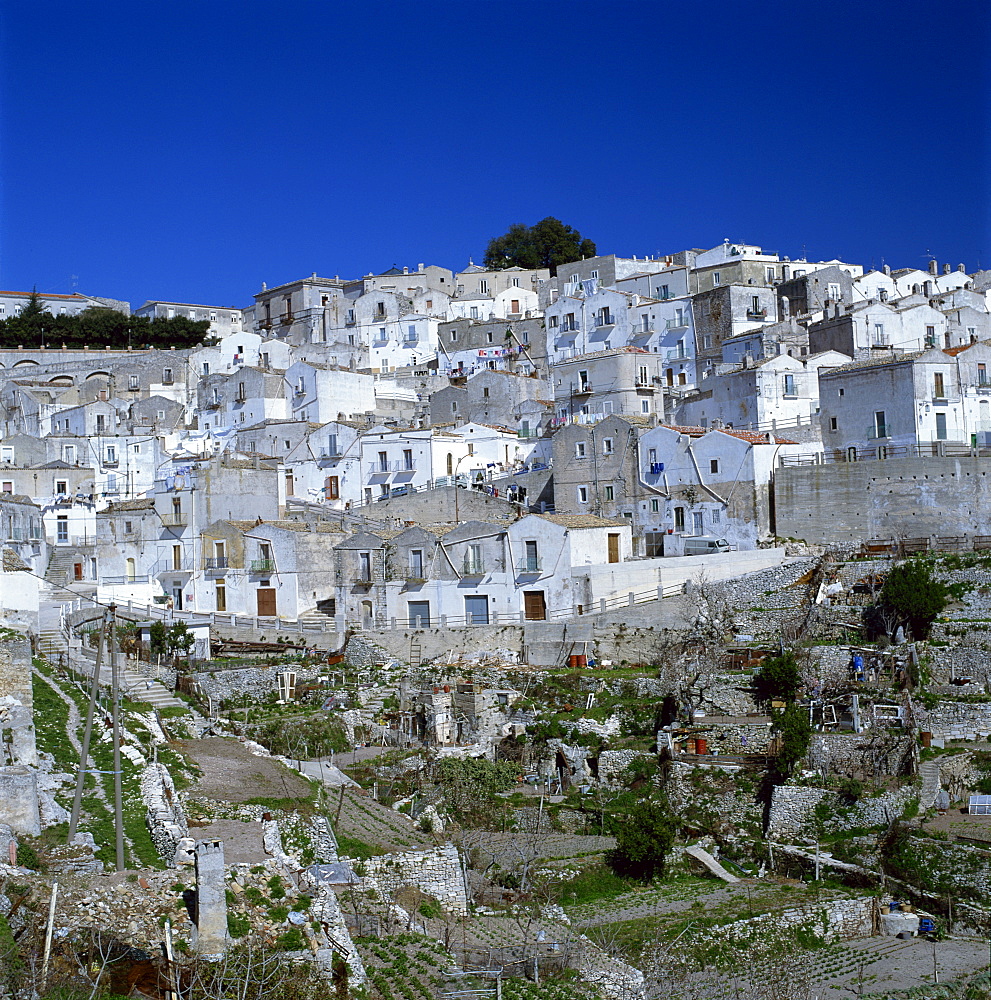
[313, 275]
[836, 311]
[785, 307]
[933, 267]
[961, 268]
[947, 269]
[405, 270]
[264, 286]
[886, 269]
[419, 267]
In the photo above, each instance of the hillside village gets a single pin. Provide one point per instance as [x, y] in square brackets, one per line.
[619, 632]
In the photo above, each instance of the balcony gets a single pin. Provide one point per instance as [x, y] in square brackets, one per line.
[567, 327]
[528, 564]
[110, 463]
[169, 567]
[473, 567]
[120, 581]
[642, 386]
[759, 315]
[215, 564]
[381, 468]
[411, 339]
[262, 565]
[678, 323]
[175, 520]
[583, 389]
[679, 354]
[607, 320]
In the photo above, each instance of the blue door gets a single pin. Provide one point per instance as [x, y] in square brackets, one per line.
[477, 610]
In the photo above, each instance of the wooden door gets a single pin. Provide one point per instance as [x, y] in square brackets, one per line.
[77, 571]
[613, 548]
[266, 602]
[534, 608]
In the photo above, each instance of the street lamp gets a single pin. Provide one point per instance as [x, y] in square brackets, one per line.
[456, 467]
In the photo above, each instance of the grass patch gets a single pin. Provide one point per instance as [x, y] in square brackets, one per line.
[353, 848]
[596, 882]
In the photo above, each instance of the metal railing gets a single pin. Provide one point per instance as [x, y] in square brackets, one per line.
[676, 323]
[117, 581]
[396, 465]
[217, 562]
[175, 520]
[472, 567]
[883, 452]
[528, 564]
[262, 565]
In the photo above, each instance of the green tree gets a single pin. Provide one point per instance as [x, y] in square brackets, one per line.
[643, 841]
[794, 731]
[914, 596]
[158, 637]
[778, 680]
[549, 243]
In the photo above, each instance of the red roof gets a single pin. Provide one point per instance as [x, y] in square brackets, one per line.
[754, 438]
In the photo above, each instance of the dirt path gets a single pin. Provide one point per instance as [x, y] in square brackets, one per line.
[231, 773]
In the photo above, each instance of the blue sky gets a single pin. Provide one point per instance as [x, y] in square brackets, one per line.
[190, 151]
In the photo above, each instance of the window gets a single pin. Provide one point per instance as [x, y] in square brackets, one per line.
[583, 494]
[609, 493]
[841, 392]
[206, 367]
[645, 406]
[331, 487]
[940, 426]
[488, 337]
[111, 455]
[514, 306]
[408, 459]
[789, 385]
[679, 519]
[661, 292]
[880, 424]
[532, 557]
[516, 282]
[61, 487]
[221, 597]
[755, 304]
[579, 449]
[416, 564]
[379, 308]
[474, 312]
[62, 528]
[383, 461]
[607, 446]
[769, 273]
[930, 336]
[594, 275]
[553, 320]
[654, 506]
[716, 277]
[454, 406]
[832, 423]
[583, 383]
[8, 487]
[454, 336]
[879, 334]
[132, 381]
[365, 566]
[429, 303]
[167, 376]
[643, 376]
[982, 374]
[938, 385]
[714, 466]
[483, 286]
[833, 291]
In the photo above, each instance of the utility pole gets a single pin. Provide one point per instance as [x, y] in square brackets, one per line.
[115, 696]
[94, 694]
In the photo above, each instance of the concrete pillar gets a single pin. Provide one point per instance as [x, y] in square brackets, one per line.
[210, 930]
[17, 698]
[19, 800]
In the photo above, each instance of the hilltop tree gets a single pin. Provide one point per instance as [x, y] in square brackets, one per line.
[549, 243]
[778, 680]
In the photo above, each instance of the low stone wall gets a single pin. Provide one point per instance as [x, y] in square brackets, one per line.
[960, 719]
[164, 815]
[436, 872]
[856, 753]
[257, 681]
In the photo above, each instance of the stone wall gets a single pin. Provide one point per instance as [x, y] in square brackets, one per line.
[793, 809]
[164, 815]
[256, 682]
[896, 498]
[436, 872]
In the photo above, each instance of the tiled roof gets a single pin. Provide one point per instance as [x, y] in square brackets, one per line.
[683, 429]
[753, 437]
[872, 363]
[12, 562]
[582, 521]
[125, 505]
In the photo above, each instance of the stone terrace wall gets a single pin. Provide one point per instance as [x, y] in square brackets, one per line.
[436, 872]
